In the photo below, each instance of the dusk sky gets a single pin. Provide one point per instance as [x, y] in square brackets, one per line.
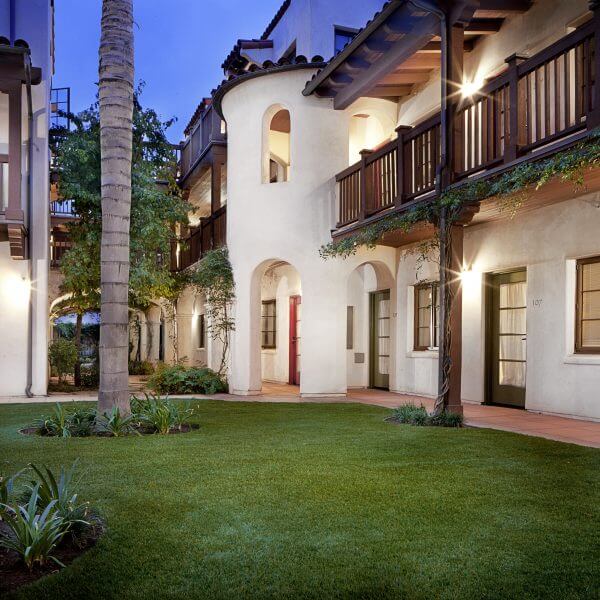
[179, 48]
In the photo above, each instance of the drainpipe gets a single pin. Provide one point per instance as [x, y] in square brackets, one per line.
[441, 15]
[27, 61]
[11, 19]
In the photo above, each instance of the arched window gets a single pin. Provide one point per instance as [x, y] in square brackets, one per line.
[277, 163]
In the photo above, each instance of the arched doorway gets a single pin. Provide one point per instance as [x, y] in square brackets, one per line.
[370, 336]
[280, 330]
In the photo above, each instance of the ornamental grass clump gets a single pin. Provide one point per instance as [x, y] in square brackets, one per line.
[412, 414]
[157, 415]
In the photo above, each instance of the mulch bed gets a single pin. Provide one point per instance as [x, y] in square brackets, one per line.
[14, 573]
[185, 428]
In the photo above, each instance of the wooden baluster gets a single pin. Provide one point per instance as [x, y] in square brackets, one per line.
[364, 186]
[516, 107]
[593, 117]
[401, 177]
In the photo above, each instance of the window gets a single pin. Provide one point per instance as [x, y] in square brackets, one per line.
[427, 306]
[587, 306]
[269, 324]
[201, 331]
[279, 147]
[349, 327]
[342, 36]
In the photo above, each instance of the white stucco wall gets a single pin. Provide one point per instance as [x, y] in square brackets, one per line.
[311, 24]
[18, 284]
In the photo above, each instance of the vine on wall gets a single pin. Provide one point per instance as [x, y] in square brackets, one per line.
[213, 278]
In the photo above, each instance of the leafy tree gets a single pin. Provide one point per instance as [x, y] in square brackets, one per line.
[63, 356]
[156, 208]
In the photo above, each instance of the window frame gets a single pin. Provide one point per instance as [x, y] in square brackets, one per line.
[579, 291]
[263, 318]
[343, 30]
[201, 331]
[434, 286]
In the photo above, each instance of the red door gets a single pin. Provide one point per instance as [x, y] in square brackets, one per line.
[295, 320]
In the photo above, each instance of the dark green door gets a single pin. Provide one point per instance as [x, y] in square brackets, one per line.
[508, 344]
[380, 340]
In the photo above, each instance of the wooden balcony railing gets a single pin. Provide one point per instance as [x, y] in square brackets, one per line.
[207, 130]
[534, 103]
[210, 234]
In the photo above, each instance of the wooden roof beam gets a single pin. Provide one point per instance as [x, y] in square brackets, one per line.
[388, 62]
[491, 8]
[484, 26]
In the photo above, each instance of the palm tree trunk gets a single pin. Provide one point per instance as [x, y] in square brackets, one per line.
[116, 114]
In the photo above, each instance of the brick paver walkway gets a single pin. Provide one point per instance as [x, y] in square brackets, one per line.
[562, 429]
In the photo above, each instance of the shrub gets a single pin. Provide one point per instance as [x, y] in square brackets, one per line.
[178, 379]
[63, 422]
[61, 493]
[90, 375]
[447, 419]
[159, 416]
[116, 424]
[63, 356]
[410, 413]
[418, 415]
[140, 367]
[33, 536]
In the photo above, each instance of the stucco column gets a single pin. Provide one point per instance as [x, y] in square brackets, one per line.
[245, 377]
[153, 333]
[143, 338]
[184, 337]
[323, 369]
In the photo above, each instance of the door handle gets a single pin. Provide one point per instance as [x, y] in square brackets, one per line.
[524, 338]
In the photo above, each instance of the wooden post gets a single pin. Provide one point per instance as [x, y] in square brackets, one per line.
[400, 175]
[364, 186]
[450, 236]
[215, 193]
[593, 118]
[517, 115]
[450, 316]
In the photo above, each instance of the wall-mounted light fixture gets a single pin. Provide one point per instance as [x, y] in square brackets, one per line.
[470, 88]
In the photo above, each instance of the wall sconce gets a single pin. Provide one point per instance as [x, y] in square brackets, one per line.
[471, 280]
[470, 88]
[16, 290]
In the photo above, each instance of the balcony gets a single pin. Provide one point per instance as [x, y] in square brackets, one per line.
[536, 107]
[209, 235]
[205, 130]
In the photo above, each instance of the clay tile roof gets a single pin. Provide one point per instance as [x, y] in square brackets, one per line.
[275, 20]
[235, 60]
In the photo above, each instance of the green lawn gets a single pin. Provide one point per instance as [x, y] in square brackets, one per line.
[319, 501]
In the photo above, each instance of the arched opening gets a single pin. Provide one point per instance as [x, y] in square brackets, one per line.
[279, 339]
[371, 125]
[277, 163]
[370, 326]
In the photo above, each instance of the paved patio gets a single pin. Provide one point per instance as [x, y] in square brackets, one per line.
[562, 429]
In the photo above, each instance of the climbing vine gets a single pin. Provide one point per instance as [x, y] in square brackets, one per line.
[213, 277]
[510, 189]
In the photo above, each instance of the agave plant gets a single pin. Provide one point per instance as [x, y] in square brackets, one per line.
[160, 416]
[116, 424]
[62, 493]
[56, 424]
[34, 535]
[6, 489]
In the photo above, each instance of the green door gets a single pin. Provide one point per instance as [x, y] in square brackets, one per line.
[507, 364]
[380, 340]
